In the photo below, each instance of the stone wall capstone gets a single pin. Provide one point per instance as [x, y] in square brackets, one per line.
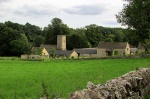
[133, 85]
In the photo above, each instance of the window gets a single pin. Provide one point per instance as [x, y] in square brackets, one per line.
[127, 49]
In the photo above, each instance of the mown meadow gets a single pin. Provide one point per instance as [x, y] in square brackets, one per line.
[58, 78]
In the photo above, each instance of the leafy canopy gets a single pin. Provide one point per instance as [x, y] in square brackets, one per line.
[136, 16]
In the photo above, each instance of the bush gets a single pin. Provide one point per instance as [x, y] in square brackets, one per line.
[116, 53]
[72, 57]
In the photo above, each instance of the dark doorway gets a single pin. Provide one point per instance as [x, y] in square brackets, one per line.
[109, 53]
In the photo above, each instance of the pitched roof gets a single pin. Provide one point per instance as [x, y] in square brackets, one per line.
[48, 47]
[86, 50]
[64, 52]
[133, 50]
[110, 46]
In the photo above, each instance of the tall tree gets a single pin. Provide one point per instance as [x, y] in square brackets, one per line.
[38, 40]
[20, 45]
[57, 27]
[136, 16]
[13, 42]
[31, 30]
[77, 41]
[93, 34]
[14, 26]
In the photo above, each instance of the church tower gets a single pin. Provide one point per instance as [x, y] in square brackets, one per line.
[61, 42]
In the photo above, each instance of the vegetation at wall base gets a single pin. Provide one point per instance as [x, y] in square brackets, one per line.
[59, 78]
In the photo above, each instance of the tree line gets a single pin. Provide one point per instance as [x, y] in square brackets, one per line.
[17, 39]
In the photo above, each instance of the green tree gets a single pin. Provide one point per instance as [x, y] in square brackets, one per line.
[77, 41]
[38, 40]
[93, 34]
[31, 31]
[14, 26]
[108, 39]
[136, 16]
[120, 35]
[147, 45]
[56, 28]
[2, 26]
[20, 45]
[10, 40]
[80, 31]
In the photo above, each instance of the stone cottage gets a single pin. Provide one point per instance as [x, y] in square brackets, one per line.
[105, 49]
[114, 48]
[65, 53]
[46, 49]
[86, 52]
[90, 52]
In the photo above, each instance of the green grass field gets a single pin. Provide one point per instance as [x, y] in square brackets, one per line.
[58, 78]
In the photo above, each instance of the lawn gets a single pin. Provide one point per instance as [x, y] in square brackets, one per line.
[58, 78]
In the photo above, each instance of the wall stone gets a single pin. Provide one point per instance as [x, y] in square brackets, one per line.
[133, 85]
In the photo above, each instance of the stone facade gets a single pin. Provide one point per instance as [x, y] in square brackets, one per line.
[127, 49]
[114, 48]
[101, 53]
[74, 55]
[61, 42]
[66, 53]
[45, 54]
[31, 57]
[133, 85]
[86, 52]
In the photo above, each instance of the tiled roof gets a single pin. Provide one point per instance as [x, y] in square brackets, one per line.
[86, 50]
[110, 46]
[64, 52]
[133, 50]
[48, 47]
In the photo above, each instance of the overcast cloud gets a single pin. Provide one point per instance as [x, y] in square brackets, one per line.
[2, 1]
[74, 13]
[94, 9]
[35, 11]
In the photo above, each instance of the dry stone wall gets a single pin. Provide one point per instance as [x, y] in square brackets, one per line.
[133, 85]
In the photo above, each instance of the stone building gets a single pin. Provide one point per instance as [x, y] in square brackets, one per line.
[47, 51]
[86, 52]
[114, 48]
[105, 49]
[61, 42]
[66, 53]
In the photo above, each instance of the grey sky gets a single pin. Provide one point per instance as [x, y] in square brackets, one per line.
[74, 13]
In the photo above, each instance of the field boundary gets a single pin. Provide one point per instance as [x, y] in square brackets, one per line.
[133, 85]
